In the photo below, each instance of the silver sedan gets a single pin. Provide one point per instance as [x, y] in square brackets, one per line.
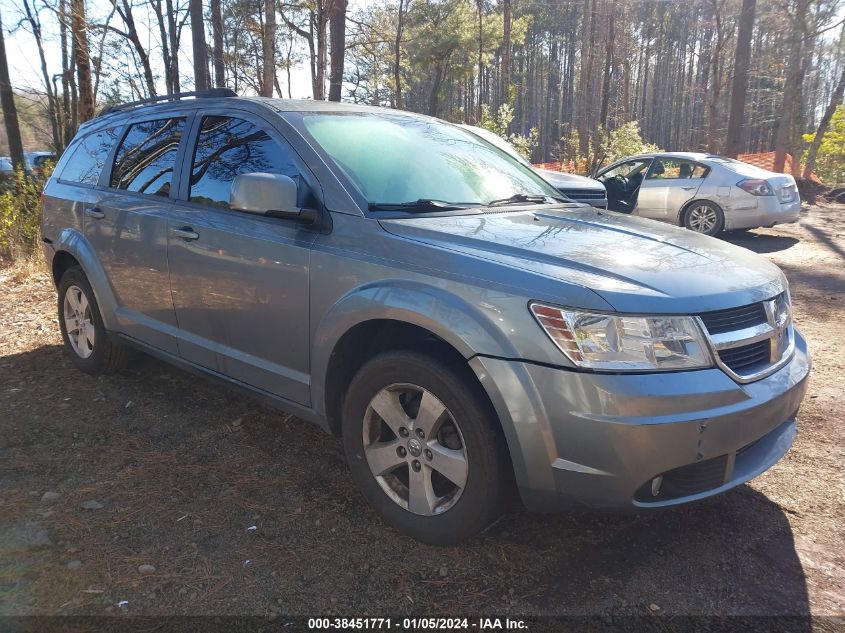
[703, 192]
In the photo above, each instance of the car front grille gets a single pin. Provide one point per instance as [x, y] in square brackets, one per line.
[753, 340]
[741, 359]
[583, 194]
[734, 318]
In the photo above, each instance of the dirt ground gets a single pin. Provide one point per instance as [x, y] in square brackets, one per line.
[242, 510]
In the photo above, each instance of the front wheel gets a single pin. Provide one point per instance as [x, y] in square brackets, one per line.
[424, 447]
[704, 217]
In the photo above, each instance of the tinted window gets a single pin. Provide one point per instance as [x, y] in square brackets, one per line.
[147, 156]
[87, 160]
[227, 147]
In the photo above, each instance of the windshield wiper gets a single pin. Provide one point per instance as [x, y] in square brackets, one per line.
[524, 197]
[423, 204]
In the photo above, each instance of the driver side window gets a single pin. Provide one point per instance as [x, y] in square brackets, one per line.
[228, 146]
[627, 169]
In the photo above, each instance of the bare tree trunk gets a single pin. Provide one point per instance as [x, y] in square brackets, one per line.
[821, 130]
[791, 85]
[320, 21]
[480, 6]
[10, 112]
[165, 45]
[173, 34]
[742, 58]
[337, 27]
[79, 29]
[67, 118]
[200, 49]
[397, 56]
[52, 97]
[217, 41]
[317, 79]
[506, 52]
[608, 65]
[268, 48]
[132, 36]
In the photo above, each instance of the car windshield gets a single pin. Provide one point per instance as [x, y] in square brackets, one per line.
[499, 142]
[395, 159]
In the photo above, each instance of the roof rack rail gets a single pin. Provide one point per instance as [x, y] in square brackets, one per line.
[212, 92]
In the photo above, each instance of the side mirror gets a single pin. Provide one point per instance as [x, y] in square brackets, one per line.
[268, 194]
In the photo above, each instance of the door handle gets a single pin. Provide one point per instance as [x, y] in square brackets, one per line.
[186, 233]
[687, 188]
[95, 213]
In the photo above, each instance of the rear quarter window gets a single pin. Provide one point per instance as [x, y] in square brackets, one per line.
[88, 158]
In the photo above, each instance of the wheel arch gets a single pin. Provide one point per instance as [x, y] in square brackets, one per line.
[395, 314]
[72, 249]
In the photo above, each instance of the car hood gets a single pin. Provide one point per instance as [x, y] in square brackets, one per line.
[634, 264]
[561, 179]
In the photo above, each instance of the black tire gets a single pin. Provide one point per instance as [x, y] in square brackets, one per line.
[690, 217]
[106, 356]
[483, 496]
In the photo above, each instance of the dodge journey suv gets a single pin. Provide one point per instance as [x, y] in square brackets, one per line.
[414, 290]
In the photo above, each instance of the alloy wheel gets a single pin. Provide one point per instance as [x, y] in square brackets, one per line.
[78, 321]
[703, 218]
[415, 449]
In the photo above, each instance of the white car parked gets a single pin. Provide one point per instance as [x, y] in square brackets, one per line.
[705, 193]
[575, 187]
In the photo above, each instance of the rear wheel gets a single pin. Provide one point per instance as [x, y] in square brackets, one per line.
[85, 337]
[424, 448]
[704, 217]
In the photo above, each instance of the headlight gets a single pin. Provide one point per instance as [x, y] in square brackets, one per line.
[625, 343]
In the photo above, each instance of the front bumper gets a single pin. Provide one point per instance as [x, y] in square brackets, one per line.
[600, 439]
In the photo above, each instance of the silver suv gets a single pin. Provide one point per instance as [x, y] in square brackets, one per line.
[411, 288]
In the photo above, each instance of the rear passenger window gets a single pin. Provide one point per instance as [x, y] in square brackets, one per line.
[87, 160]
[227, 147]
[147, 156]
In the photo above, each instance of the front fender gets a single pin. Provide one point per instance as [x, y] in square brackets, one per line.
[73, 242]
[468, 328]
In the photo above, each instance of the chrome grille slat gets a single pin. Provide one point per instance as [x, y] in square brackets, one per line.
[731, 319]
[752, 341]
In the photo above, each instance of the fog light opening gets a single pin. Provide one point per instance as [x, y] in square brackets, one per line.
[655, 485]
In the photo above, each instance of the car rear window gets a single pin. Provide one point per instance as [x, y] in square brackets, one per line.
[147, 156]
[88, 157]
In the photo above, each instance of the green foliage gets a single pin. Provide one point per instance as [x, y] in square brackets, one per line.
[625, 140]
[830, 160]
[499, 122]
[20, 212]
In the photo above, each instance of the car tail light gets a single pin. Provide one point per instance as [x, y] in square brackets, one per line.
[756, 187]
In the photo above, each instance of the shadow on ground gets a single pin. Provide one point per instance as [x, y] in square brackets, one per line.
[183, 468]
[760, 242]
